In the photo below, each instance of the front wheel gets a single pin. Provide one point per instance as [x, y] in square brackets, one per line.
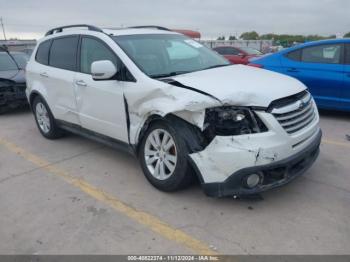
[163, 157]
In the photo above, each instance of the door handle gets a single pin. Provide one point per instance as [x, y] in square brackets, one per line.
[81, 83]
[44, 74]
[293, 70]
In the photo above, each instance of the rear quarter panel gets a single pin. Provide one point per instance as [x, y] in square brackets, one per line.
[34, 81]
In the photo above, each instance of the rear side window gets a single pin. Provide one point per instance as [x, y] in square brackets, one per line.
[323, 54]
[227, 51]
[347, 54]
[232, 51]
[220, 50]
[42, 55]
[93, 50]
[294, 55]
[63, 53]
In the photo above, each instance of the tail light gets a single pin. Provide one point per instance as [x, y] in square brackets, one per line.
[256, 65]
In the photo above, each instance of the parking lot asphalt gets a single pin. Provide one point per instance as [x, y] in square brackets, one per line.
[75, 196]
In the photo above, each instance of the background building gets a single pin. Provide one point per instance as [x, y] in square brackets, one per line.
[25, 46]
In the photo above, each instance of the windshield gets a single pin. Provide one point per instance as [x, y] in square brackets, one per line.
[251, 51]
[162, 55]
[21, 59]
[6, 62]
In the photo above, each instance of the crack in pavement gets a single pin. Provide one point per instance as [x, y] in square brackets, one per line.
[325, 184]
[52, 163]
[14, 176]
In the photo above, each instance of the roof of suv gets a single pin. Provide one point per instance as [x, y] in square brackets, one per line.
[136, 31]
[83, 29]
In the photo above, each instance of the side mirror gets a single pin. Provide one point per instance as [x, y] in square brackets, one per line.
[103, 70]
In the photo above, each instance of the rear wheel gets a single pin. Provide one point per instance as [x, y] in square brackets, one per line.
[45, 120]
[163, 157]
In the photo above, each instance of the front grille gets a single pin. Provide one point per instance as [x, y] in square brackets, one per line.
[296, 115]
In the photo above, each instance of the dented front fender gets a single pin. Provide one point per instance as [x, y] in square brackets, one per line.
[162, 99]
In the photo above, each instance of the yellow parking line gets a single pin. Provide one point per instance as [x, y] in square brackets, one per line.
[336, 143]
[148, 220]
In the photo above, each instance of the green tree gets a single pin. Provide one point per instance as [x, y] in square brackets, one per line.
[318, 37]
[232, 37]
[288, 40]
[268, 37]
[347, 35]
[250, 36]
[221, 38]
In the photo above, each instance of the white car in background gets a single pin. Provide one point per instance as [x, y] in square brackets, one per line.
[177, 105]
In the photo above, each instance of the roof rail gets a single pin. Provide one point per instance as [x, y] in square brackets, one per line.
[60, 29]
[151, 26]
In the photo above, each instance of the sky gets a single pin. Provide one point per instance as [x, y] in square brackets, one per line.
[27, 19]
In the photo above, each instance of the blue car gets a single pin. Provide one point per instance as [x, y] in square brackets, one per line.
[323, 66]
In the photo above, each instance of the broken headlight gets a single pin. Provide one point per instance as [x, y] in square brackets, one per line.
[231, 121]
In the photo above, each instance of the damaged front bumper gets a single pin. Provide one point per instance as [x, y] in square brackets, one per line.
[275, 156]
[274, 175]
[12, 96]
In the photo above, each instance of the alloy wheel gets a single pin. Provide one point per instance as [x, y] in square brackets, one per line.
[43, 118]
[160, 154]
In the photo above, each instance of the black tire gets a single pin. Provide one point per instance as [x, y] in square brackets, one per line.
[54, 131]
[182, 176]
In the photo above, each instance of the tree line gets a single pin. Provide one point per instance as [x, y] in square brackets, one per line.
[283, 39]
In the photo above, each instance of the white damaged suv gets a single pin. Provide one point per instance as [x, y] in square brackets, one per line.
[177, 105]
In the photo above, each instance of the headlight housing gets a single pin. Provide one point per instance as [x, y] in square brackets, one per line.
[231, 121]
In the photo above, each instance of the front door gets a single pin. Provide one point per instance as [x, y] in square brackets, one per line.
[100, 103]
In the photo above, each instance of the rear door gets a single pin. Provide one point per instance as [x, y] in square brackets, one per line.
[320, 68]
[100, 103]
[345, 93]
[60, 75]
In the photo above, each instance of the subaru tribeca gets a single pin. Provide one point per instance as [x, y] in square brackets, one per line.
[182, 109]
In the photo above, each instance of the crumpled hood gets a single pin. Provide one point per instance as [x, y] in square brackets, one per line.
[242, 85]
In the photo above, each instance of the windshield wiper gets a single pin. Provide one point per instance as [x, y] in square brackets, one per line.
[185, 72]
[170, 74]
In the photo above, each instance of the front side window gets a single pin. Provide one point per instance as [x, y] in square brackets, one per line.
[6, 62]
[161, 55]
[323, 54]
[294, 55]
[93, 50]
[63, 53]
